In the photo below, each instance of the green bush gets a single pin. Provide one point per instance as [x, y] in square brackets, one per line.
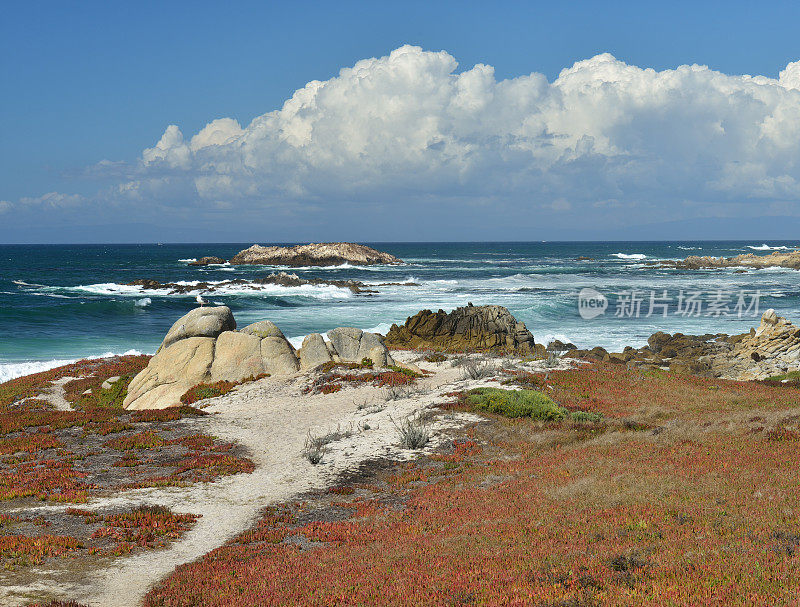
[790, 376]
[516, 403]
[585, 416]
[524, 403]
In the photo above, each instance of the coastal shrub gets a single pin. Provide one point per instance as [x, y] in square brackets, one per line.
[204, 391]
[585, 416]
[404, 371]
[525, 403]
[477, 369]
[314, 449]
[219, 388]
[413, 431]
[791, 376]
[434, 357]
[516, 403]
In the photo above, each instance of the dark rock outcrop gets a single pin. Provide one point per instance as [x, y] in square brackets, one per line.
[771, 349]
[314, 254]
[207, 261]
[471, 328]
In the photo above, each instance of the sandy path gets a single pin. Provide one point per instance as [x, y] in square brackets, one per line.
[56, 395]
[272, 419]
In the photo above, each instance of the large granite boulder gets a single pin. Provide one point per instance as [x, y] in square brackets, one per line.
[237, 355]
[170, 373]
[314, 352]
[471, 328]
[354, 345]
[346, 341]
[264, 328]
[201, 322]
[198, 352]
[314, 254]
[278, 356]
[203, 346]
[771, 349]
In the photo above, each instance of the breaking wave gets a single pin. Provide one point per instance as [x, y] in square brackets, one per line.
[9, 371]
[629, 255]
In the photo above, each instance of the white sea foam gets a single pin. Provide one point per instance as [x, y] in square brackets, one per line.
[629, 256]
[188, 260]
[690, 248]
[344, 266]
[327, 292]
[143, 303]
[53, 295]
[10, 371]
[766, 247]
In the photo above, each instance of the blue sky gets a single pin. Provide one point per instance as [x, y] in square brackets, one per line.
[98, 81]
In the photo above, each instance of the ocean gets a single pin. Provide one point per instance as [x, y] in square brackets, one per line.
[59, 303]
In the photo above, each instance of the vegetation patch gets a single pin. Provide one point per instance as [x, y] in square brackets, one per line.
[143, 527]
[335, 376]
[219, 388]
[91, 533]
[523, 403]
[24, 551]
[791, 376]
[93, 373]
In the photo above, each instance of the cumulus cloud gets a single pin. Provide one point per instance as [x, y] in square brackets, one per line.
[411, 126]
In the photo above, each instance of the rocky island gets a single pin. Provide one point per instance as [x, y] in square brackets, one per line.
[314, 254]
[778, 259]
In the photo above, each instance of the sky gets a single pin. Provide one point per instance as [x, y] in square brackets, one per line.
[414, 121]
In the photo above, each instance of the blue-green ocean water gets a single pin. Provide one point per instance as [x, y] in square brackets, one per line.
[63, 302]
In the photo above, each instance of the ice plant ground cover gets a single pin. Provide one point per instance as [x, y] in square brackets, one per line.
[685, 492]
[91, 447]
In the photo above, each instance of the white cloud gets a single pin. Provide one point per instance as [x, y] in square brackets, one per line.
[5, 206]
[53, 200]
[409, 126]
